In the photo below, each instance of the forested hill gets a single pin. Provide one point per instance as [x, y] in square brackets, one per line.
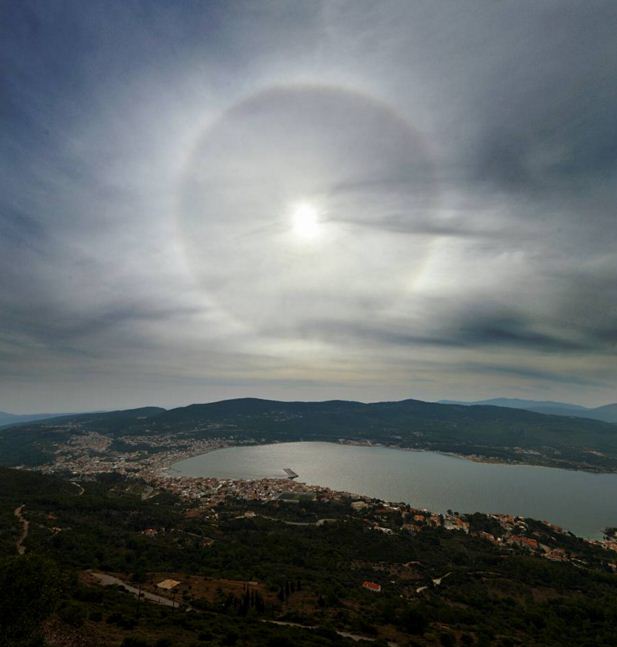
[505, 434]
[486, 431]
[32, 444]
[282, 573]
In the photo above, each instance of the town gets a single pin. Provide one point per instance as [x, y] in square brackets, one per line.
[150, 459]
[509, 531]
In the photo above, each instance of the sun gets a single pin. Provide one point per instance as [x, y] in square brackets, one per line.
[305, 222]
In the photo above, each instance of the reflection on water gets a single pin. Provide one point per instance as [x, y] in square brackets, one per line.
[579, 501]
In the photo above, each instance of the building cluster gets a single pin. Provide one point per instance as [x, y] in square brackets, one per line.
[504, 530]
[511, 531]
[92, 453]
[210, 492]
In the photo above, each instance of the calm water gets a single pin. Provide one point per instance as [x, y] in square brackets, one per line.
[581, 502]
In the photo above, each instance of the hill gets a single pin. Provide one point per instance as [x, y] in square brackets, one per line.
[485, 432]
[32, 443]
[272, 573]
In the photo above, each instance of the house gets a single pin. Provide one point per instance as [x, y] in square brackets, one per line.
[521, 540]
[371, 586]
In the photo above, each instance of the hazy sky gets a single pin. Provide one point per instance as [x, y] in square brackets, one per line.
[307, 200]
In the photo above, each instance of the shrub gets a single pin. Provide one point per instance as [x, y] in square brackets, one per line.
[72, 613]
[134, 642]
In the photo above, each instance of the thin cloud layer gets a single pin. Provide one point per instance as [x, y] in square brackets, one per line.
[307, 200]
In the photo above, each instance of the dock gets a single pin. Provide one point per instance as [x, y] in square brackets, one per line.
[290, 473]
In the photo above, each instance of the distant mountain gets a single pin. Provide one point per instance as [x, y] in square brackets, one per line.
[8, 419]
[516, 403]
[606, 413]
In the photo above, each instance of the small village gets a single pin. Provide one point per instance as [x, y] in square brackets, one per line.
[513, 532]
[91, 453]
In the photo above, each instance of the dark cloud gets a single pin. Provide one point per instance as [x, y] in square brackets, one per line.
[511, 330]
[550, 377]
[550, 125]
[475, 328]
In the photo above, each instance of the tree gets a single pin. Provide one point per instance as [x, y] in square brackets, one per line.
[139, 577]
[30, 588]
[413, 621]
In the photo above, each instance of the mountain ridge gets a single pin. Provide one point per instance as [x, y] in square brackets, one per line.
[482, 432]
[605, 413]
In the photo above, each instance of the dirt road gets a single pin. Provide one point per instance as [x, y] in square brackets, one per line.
[25, 526]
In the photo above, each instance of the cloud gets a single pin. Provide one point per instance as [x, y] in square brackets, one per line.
[462, 161]
[533, 374]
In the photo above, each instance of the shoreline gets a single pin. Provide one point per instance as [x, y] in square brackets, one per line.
[209, 490]
[474, 458]
[591, 532]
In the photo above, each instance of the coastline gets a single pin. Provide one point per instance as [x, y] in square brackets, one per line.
[477, 458]
[157, 463]
[474, 458]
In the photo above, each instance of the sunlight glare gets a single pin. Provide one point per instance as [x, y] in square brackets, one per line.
[305, 222]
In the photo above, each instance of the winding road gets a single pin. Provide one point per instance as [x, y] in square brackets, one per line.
[79, 487]
[109, 580]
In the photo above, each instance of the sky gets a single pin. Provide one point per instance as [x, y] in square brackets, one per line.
[307, 200]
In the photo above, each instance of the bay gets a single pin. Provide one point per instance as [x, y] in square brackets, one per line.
[582, 502]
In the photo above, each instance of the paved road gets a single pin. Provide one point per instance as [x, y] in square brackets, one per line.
[25, 526]
[110, 580]
[319, 522]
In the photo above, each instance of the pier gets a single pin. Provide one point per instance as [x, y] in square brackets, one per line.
[290, 473]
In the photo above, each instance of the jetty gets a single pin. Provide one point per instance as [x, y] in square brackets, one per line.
[290, 473]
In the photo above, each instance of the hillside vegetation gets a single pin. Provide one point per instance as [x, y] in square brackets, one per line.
[487, 432]
[243, 566]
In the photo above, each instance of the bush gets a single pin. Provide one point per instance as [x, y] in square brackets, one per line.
[121, 621]
[280, 641]
[413, 621]
[72, 614]
[134, 642]
[231, 638]
[447, 640]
